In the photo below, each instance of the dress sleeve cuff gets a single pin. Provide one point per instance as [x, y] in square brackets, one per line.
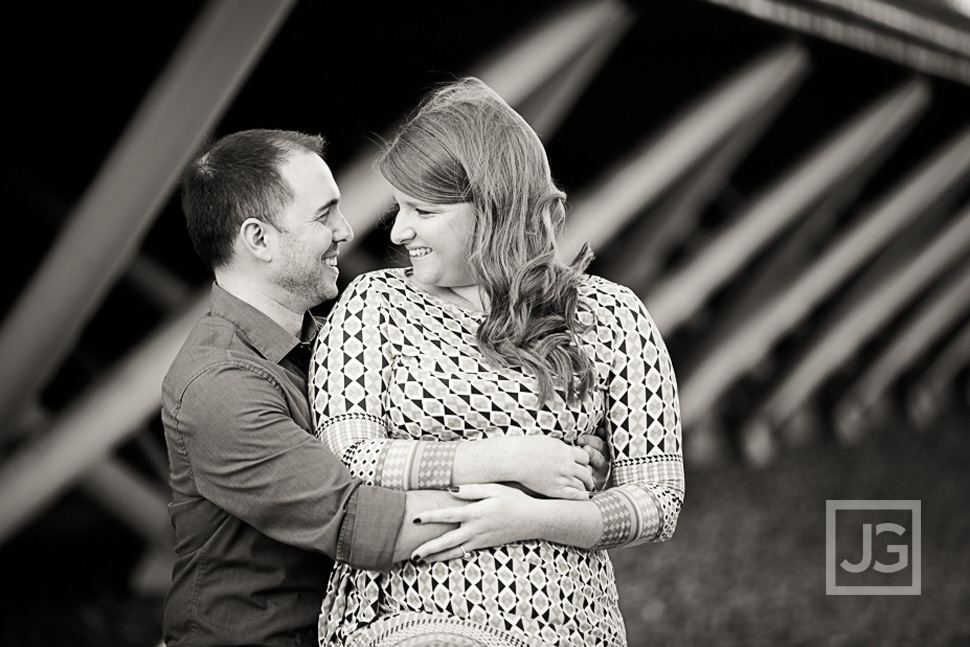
[629, 516]
[371, 526]
[417, 465]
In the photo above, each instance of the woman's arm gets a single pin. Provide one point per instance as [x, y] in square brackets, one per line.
[351, 369]
[645, 500]
[644, 414]
[494, 515]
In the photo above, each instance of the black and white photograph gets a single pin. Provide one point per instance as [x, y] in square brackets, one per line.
[565, 323]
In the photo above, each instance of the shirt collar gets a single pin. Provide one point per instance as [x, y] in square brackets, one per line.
[267, 336]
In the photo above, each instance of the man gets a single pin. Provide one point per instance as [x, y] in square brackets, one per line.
[260, 507]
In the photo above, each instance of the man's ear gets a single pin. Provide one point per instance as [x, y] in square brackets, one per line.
[256, 238]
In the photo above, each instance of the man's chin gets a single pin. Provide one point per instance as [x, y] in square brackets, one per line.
[329, 293]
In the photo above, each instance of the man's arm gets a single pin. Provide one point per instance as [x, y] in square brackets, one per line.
[246, 454]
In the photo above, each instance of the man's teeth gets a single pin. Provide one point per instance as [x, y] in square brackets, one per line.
[332, 261]
[419, 251]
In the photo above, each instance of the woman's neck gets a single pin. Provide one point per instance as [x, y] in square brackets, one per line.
[469, 297]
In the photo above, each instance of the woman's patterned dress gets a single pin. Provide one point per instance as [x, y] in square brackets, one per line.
[397, 374]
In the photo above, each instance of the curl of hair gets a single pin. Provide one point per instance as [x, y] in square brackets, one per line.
[466, 144]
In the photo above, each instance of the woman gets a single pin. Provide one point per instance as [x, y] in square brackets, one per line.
[488, 337]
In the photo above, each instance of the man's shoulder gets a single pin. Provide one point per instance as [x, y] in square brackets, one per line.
[211, 343]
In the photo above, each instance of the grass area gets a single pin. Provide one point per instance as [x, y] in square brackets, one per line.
[746, 566]
[747, 563]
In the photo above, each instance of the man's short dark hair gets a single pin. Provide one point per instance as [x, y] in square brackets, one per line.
[235, 178]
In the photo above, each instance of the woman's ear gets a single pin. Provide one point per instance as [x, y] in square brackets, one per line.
[256, 239]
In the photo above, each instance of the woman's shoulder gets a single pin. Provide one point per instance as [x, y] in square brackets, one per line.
[606, 293]
[390, 278]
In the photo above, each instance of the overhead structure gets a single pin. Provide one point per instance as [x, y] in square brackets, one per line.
[930, 36]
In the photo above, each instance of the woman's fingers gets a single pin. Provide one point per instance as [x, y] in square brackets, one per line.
[442, 515]
[478, 491]
[444, 547]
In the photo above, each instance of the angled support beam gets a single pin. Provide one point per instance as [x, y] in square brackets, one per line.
[746, 347]
[515, 71]
[547, 106]
[666, 226]
[931, 389]
[103, 234]
[788, 257]
[946, 306]
[862, 318]
[681, 294]
[943, 55]
[600, 213]
[91, 428]
[133, 499]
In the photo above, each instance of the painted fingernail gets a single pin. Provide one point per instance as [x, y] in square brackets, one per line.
[453, 488]
[417, 559]
[417, 520]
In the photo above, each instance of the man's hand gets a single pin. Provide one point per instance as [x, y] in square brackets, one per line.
[550, 467]
[599, 457]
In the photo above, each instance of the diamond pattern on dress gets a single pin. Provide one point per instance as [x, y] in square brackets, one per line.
[396, 369]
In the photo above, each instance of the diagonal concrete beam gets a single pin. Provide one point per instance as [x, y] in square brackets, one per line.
[600, 213]
[105, 230]
[680, 295]
[747, 346]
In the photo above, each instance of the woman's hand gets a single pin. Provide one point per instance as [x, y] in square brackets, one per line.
[497, 515]
[494, 515]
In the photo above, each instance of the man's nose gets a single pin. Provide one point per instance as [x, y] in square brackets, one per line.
[343, 233]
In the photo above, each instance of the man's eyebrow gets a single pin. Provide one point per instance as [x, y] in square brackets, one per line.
[329, 205]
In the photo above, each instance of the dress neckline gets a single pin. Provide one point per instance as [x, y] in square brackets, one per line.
[444, 296]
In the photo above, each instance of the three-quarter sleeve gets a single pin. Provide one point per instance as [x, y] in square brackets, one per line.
[351, 369]
[643, 413]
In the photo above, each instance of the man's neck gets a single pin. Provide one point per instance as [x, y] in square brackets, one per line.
[255, 295]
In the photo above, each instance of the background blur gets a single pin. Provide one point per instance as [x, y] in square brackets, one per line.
[785, 184]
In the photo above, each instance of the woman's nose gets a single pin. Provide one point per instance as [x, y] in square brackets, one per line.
[401, 230]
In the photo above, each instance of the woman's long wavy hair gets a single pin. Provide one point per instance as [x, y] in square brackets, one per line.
[466, 144]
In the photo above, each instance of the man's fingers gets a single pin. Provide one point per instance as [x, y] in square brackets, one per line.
[585, 476]
[596, 458]
[589, 440]
[580, 455]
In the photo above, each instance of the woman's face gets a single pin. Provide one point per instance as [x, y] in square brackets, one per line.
[437, 239]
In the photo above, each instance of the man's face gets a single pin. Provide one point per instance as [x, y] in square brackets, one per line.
[310, 229]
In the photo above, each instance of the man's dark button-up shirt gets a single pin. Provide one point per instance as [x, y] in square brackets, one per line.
[259, 505]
